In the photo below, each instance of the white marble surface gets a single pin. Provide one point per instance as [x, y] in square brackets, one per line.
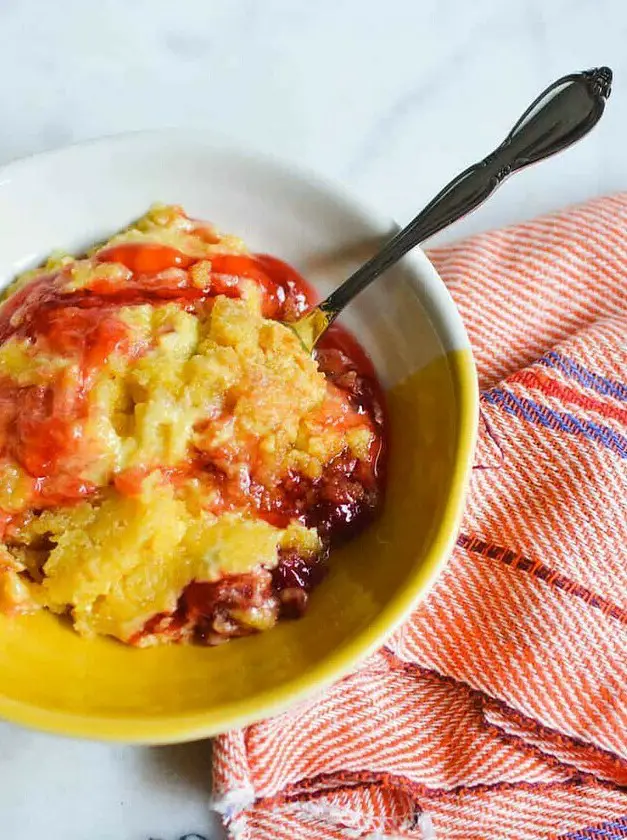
[390, 97]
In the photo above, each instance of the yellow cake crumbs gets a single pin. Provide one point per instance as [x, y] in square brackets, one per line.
[215, 384]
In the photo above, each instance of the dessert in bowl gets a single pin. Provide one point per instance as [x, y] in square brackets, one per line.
[179, 472]
[174, 466]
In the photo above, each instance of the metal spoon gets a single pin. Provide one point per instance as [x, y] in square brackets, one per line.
[562, 114]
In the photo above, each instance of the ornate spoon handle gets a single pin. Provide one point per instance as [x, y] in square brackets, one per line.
[562, 114]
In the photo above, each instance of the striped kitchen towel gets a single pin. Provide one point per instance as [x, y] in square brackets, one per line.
[500, 709]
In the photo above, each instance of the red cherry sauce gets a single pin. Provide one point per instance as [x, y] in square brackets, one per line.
[41, 426]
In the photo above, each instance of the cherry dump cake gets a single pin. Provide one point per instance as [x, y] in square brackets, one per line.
[173, 465]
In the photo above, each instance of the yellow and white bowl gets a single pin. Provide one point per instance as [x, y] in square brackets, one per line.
[51, 678]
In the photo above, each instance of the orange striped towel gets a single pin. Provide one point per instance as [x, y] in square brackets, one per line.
[500, 709]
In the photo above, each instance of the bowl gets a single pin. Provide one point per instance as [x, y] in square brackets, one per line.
[54, 680]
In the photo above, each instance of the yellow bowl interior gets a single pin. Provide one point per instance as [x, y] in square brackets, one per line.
[53, 679]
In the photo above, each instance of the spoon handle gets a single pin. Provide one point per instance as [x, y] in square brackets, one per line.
[562, 114]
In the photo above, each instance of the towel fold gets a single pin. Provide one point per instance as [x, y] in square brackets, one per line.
[499, 710]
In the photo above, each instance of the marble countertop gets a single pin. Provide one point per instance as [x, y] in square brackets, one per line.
[391, 98]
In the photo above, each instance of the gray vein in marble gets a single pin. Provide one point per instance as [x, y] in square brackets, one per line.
[443, 74]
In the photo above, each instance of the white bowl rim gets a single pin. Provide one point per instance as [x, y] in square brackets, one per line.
[450, 329]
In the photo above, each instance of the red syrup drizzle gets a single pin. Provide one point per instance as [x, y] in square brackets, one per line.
[42, 426]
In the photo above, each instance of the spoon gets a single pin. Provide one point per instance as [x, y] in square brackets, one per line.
[562, 114]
